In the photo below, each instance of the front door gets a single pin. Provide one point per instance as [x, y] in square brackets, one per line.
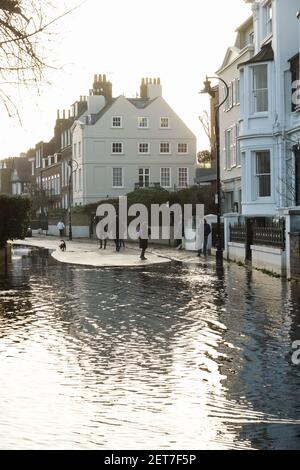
[297, 177]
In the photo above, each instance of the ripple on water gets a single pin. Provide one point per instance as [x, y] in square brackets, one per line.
[159, 357]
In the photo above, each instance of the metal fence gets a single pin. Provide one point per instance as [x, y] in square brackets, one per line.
[272, 233]
[238, 233]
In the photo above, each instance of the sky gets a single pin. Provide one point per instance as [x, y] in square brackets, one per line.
[178, 41]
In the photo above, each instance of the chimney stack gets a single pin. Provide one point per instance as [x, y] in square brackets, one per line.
[150, 88]
[102, 87]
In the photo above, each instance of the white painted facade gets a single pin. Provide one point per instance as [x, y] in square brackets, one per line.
[121, 143]
[229, 117]
[269, 128]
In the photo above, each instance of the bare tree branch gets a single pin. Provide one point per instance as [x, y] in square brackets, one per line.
[24, 26]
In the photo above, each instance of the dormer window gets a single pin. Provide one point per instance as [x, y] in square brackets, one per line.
[268, 18]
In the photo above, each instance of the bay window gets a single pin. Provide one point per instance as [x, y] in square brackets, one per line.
[260, 99]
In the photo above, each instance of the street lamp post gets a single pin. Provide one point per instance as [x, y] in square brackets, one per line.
[209, 90]
[70, 164]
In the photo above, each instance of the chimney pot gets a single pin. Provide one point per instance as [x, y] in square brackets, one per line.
[58, 114]
[95, 78]
[104, 78]
[158, 81]
[154, 81]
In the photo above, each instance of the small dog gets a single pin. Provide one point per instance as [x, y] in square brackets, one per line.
[63, 245]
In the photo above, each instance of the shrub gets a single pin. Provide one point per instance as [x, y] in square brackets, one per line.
[14, 218]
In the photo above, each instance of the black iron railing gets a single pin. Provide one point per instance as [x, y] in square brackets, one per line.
[272, 233]
[238, 233]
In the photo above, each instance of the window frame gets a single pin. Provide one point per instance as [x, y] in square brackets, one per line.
[170, 177]
[144, 169]
[259, 175]
[140, 120]
[187, 177]
[121, 122]
[122, 175]
[160, 148]
[160, 122]
[254, 91]
[268, 18]
[139, 150]
[117, 153]
[187, 148]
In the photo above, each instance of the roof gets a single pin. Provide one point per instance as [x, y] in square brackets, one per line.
[245, 24]
[140, 103]
[96, 117]
[266, 54]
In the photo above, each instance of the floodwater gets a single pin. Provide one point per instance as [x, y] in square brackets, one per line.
[164, 357]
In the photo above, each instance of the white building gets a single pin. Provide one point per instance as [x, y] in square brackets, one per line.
[229, 117]
[120, 144]
[269, 126]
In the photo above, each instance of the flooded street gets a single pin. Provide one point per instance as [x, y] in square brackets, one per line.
[163, 357]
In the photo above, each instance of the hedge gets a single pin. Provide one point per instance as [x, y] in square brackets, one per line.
[14, 218]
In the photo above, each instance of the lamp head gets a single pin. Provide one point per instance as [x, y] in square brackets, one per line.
[207, 88]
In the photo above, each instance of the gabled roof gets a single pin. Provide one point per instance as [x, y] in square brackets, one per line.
[139, 103]
[231, 54]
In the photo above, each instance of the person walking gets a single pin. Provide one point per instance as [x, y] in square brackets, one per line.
[117, 239]
[102, 243]
[207, 232]
[61, 228]
[143, 239]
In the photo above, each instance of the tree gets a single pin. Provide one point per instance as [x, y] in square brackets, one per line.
[14, 218]
[204, 157]
[206, 125]
[23, 25]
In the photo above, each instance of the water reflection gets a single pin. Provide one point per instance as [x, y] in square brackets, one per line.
[161, 357]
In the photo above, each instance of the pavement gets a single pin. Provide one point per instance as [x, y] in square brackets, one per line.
[86, 252]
